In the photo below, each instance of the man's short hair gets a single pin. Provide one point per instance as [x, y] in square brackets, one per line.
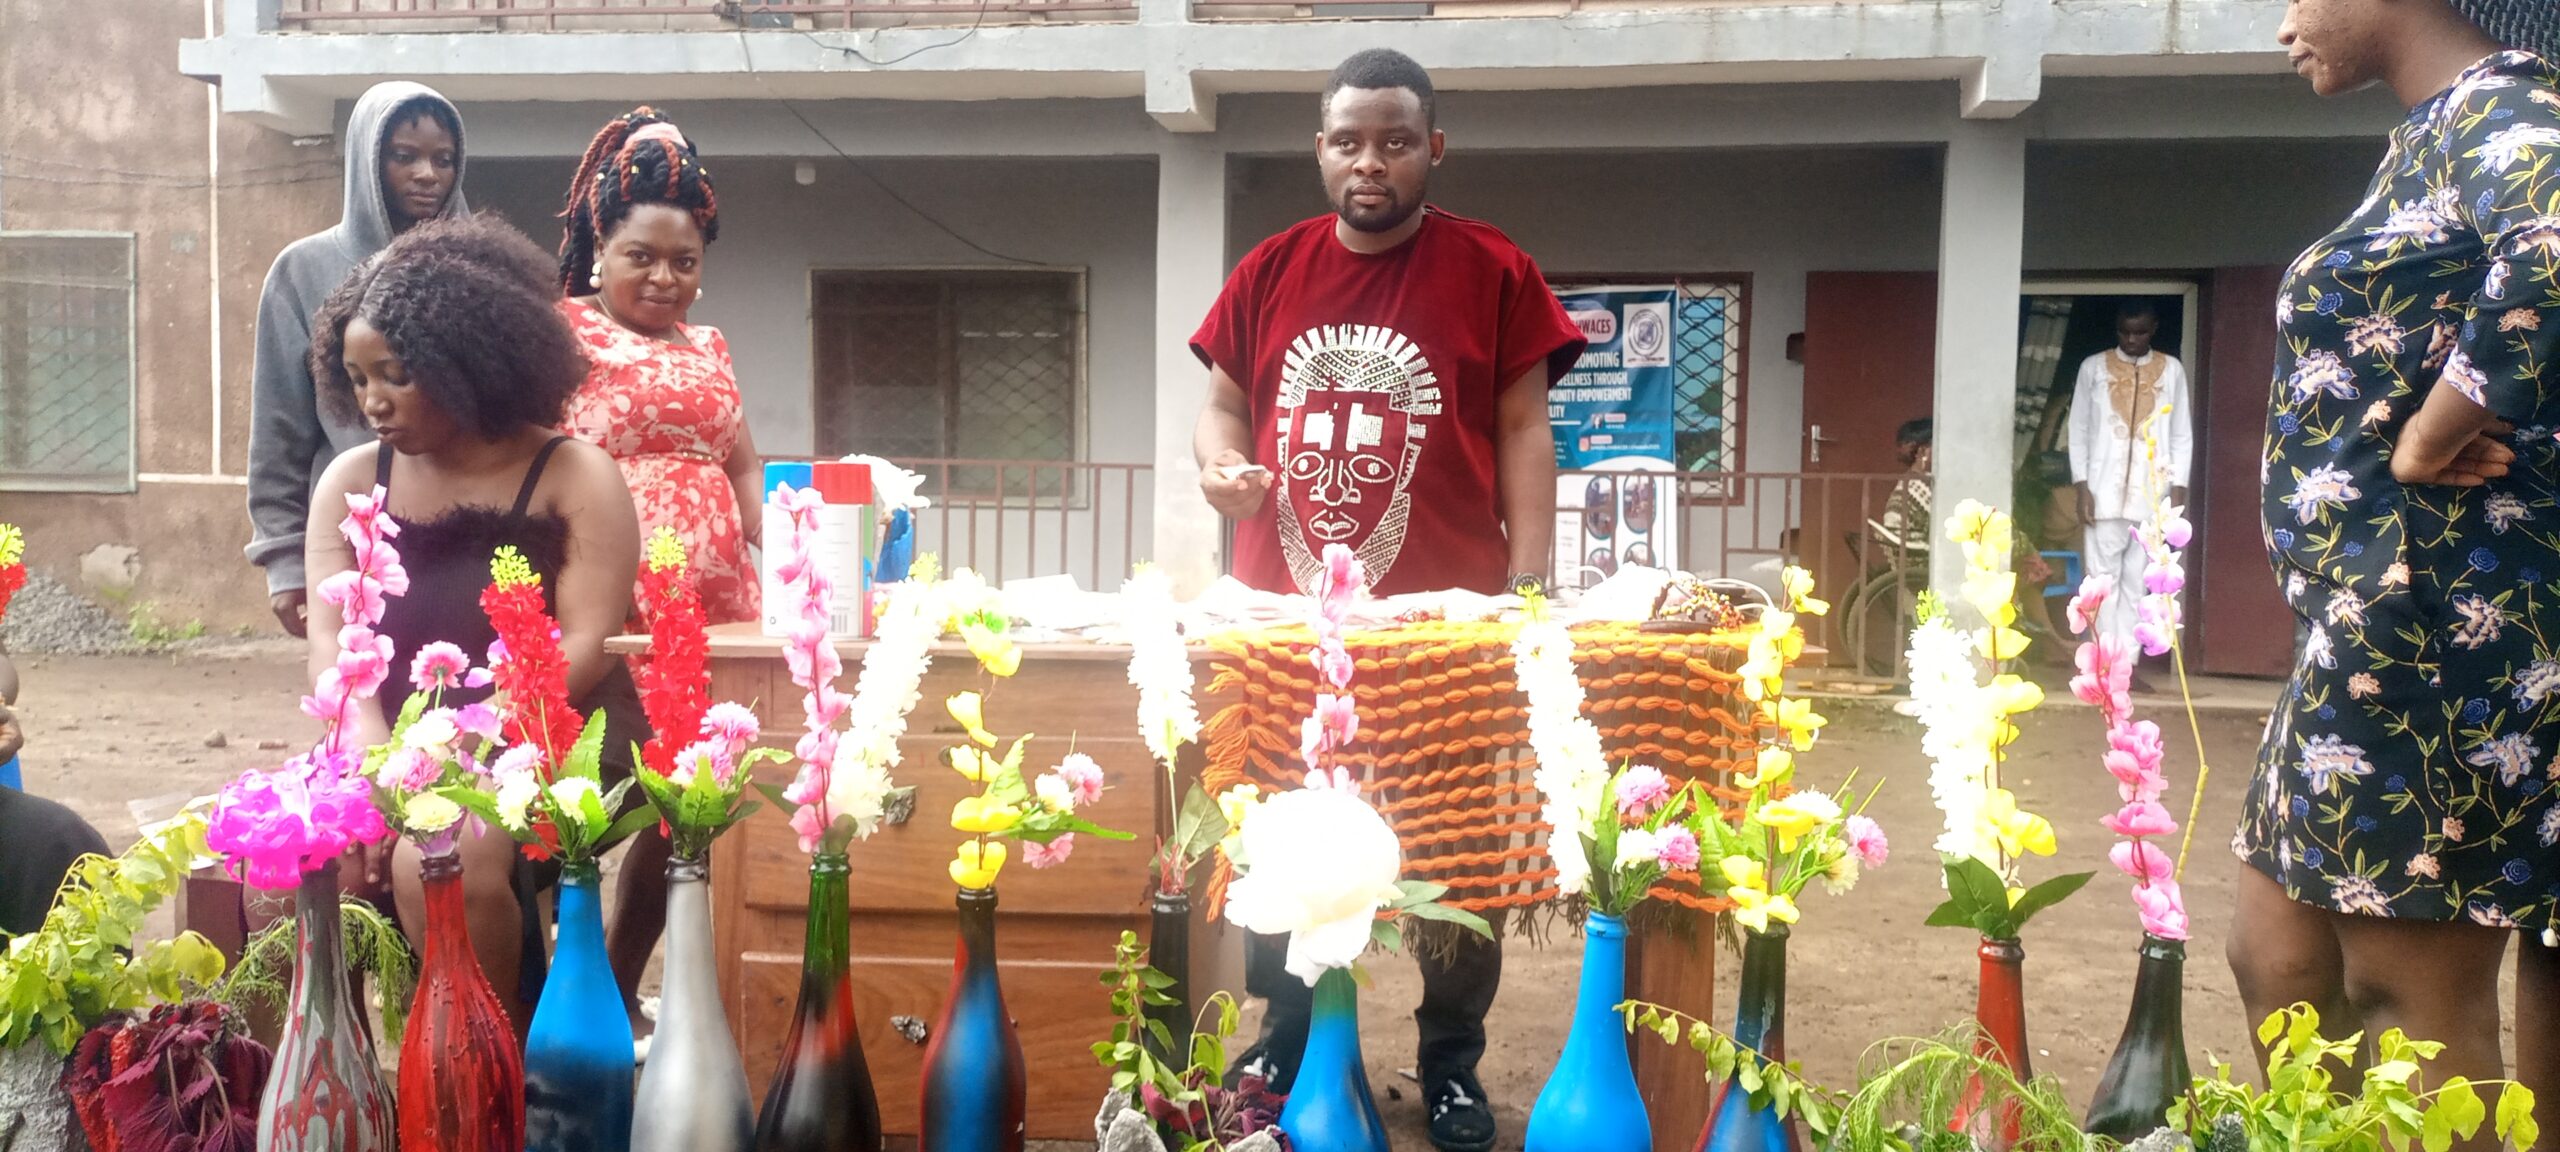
[2137, 310]
[1382, 68]
[1915, 432]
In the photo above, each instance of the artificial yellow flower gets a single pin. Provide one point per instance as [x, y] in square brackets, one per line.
[1237, 805]
[2019, 831]
[1797, 817]
[970, 763]
[1967, 523]
[976, 865]
[2000, 642]
[2012, 694]
[1763, 670]
[979, 815]
[1743, 872]
[996, 652]
[970, 710]
[1754, 909]
[1993, 594]
[666, 550]
[1798, 718]
[1772, 766]
[1799, 587]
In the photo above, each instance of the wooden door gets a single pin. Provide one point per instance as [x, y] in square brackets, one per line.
[2240, 625]
[1870, 363]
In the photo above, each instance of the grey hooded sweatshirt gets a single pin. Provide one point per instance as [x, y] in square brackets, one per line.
[292, 438]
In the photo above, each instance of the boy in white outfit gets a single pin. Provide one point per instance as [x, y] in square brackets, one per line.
[2128, 399]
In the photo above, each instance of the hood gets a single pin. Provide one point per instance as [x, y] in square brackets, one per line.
[364, 222]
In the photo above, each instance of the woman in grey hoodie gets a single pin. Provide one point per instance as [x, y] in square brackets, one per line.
[404, 165]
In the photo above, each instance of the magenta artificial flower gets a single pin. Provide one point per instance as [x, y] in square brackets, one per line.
[2083, 611]
[1335, 722]
[733, 725]
[438, 667]
[2142, 860]
[1866, 841]
[1642, 791]
[2141, 818]
[273, 827]
[1083, 776]
[479, 720]
[1051, 854]
[2134, 757]
[1679, 850]
[2163, 909]
[2165, 578]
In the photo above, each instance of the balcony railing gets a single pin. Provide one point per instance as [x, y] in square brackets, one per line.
[1010, 519]
[669, 15]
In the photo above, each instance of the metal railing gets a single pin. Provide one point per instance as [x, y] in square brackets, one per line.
[1749, 526]
[658, 15]
[1011, 519]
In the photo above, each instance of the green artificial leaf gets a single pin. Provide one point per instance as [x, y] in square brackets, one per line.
[631, 821]
[2046, 895]
[1200, 825]
[1385, 934]
[1005, 784]
[1411, 893]
[774, 793]
[586, 757]
[1448, 915]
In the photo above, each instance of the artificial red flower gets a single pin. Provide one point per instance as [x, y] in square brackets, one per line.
[532, 672]
[675, 683]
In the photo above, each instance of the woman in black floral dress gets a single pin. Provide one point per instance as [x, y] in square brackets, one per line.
[2403, 823]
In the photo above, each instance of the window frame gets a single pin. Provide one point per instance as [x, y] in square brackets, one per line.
[1080, 360]
[130, 481]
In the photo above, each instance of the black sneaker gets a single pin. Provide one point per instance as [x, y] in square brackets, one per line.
[1461, 1120]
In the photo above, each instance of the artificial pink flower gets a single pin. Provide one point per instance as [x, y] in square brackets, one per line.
[733, 725]
[439, 666]
[354, 592]
[273, 827]
[1335, 722]
[478, 720]
[1051, 854]
[1866, 841]
[410, 770]
[2141, 860]
[2083, 611]
[1343, 579]
[2141, 818]
[1642, 791]
[702, 756]
[1083, 776]
[1333, 662]
[2162, 908]
[2105, 681]
[810, 822]
[2134, 756]
[2165, 578]
[1338, 779]
[1679, 849]
[2174, 528]
[522, 759]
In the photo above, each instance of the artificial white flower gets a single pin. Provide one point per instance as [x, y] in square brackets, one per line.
[1158, 665]
[859, 790]
[516, 793]
[1948, 693]
[1054, 793]
[433, 731]
[1637, 846]
[1573, 773]
[1324, 862]
[886, 691]
[428, 813]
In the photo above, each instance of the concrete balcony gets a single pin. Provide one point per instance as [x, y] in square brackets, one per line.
[288, 63]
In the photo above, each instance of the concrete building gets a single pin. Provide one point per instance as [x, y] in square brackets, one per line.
[1026, 206]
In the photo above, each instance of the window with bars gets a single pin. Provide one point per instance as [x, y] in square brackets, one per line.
[1706, 362]
[954, 365]
[66, 362]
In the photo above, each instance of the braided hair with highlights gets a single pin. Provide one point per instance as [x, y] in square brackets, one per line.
[618, 174]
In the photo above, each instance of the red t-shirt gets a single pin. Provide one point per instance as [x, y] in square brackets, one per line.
[1375, 383]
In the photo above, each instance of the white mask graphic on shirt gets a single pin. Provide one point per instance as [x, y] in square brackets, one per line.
[1353, 408]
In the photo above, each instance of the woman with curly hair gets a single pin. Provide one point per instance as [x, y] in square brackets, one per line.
[447, 347]
[661, 394]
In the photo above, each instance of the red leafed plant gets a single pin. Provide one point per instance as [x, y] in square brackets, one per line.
[184, 1078]
[531, 670]
[674, 686]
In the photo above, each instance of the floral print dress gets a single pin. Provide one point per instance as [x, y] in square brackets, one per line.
[670, 414]
[2410, 769]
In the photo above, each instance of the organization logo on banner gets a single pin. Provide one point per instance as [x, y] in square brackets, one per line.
[1598, 325]
[1648, 335]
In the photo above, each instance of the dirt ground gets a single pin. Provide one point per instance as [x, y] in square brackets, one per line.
[124, 739]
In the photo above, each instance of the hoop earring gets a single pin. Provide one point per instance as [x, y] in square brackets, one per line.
[595, 274]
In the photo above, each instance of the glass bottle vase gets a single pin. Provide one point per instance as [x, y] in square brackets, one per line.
[461, 1075]
[325, 1091]
[821, 1099]
[1734, 1123]
[577, 1058]
[1330, 1108]
[2149, 1069]
[1590, 1102]
[693, 1090]
[975, 1086]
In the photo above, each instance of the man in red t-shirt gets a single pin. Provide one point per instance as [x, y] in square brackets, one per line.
[1378, 379]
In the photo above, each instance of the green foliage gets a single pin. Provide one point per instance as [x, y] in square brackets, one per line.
[85, 962]
[2305, 1107]
[1917, 1095]
[260, 979]
[1197, 829]
[1977, 899]
[1779, 1087]
[146, 627]
[697, 812]
[1420, 899]
[1134, 1053]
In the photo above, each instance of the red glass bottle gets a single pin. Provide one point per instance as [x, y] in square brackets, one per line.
[2000, 1007]
[461, 1072]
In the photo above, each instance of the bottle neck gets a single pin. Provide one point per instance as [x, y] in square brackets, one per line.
[448, 929]
[977, 927]
[830, 944]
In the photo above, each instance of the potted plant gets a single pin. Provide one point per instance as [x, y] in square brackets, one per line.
[1155, 1106]
[86, 965]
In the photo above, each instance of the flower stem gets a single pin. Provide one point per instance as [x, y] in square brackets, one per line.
[2195, 805]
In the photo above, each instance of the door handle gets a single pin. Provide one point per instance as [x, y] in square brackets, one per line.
[1815, 439]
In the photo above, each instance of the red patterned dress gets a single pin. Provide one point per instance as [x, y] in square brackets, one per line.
[670, 415]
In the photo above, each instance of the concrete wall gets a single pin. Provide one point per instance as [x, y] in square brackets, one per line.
[100, 133]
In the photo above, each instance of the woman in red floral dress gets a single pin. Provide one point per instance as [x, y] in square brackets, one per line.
[661, 395]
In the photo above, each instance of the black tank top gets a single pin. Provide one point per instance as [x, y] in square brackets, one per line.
[447, 557]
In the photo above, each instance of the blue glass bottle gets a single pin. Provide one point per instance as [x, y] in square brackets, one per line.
[1760, 1024]
[1591, 1103]
[1330, 1108]
[577, 1058]
[976, 1091]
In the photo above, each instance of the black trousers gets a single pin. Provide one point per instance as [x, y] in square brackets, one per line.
[1458, 984]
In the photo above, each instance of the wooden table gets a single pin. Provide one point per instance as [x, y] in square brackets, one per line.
[1056, 928]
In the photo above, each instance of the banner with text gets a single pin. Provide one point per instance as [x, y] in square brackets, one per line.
[1612, 420]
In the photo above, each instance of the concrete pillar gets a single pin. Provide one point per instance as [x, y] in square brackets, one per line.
[1981, 234]
[1191, 265]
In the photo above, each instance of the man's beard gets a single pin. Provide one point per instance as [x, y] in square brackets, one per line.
[1385, 219]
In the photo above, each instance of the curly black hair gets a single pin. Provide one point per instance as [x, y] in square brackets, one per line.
[467, 306]
[618, 174]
